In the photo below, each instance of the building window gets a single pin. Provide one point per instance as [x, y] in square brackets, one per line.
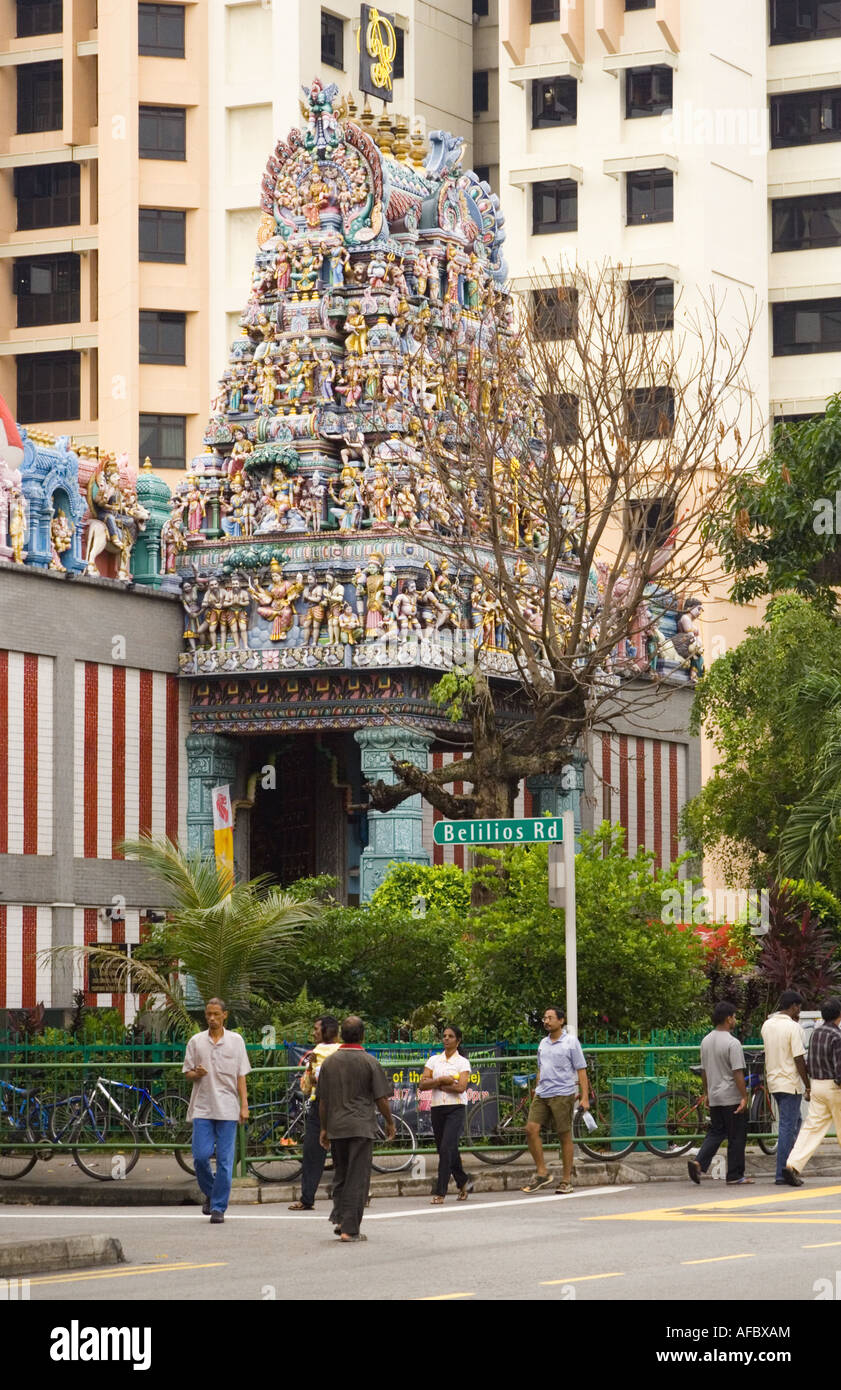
[650, 412]
[47, 289]
[648, 522]
[639, 4]
[163, 132]
[399, 66]
[160, 31]
[554, 313]
[650, 194]
[40, 97]
[805, 118]
[332, 40]
[808, 325]
[48, 387]
[480, 9]
[807, 223]
[780, 421]
[561, 413]
[47, 195]
[483, 173]
[544, 10]
[163, 235]
[648, 92]
[796, 21]
[554, 101]
[480, 91]
[163, 439]
[554, 206]
[651, 306]
[163, 337]
[39, 17]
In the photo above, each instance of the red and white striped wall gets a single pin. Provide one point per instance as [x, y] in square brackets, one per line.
[25, 932]
[26, 753]
[455, 854]
[130, 774]
[641, 784]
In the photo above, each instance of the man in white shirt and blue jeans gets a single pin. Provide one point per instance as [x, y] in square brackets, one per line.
[561, 1072]
[216, 1062]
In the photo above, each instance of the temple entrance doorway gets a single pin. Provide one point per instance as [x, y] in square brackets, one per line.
[298, 823]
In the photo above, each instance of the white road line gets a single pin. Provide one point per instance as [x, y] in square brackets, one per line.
[194, 1214]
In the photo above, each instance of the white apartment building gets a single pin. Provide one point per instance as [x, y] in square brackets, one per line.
[261, 53]
[700, 143]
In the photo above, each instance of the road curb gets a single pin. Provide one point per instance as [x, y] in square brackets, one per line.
[69, 1252]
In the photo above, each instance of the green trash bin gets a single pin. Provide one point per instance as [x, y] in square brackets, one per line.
[640, 1091]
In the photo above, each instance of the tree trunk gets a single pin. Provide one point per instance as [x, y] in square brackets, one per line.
[494, 801]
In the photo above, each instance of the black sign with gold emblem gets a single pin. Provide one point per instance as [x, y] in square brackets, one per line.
[102, 978]
[377, 51]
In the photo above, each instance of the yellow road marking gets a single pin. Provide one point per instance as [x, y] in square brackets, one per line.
[71, 1278]
[439, 1297]
[580, 1278]
[715, 1259]
[727, 1211]
[822, 1245]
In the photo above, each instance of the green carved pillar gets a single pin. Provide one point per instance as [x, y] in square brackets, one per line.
[211, 762]
[155, 496]
[552, 794]
[393, 835]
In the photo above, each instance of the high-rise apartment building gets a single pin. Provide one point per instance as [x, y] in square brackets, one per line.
[103, 221]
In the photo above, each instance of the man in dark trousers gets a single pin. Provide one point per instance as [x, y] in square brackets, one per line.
[352, 1087]
[723, 1074]
[325, 1043]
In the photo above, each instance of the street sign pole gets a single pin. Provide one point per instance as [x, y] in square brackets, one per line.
[562, 894]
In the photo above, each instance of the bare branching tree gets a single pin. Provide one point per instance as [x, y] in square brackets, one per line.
[575, 452]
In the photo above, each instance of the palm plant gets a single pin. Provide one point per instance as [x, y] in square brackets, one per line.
[232, 940]
[810, 845]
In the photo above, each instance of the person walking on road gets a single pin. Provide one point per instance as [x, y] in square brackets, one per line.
[447, 1075]
[785, 1071]
[216, 1062]
[824, 1067]
[325, 1036]
[723, 1075]
[352, 1087]
[561, 1072]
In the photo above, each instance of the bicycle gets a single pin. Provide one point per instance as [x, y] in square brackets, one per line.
[682, 1117]
[17, 1105]
[85, 1120]
[618, 1126]
[271, 1128]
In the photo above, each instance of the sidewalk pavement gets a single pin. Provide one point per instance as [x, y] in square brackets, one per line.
[157, 1180]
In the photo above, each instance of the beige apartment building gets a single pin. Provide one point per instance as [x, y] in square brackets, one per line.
[104, 162]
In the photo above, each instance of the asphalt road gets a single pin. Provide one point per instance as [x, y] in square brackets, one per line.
[658, 1241]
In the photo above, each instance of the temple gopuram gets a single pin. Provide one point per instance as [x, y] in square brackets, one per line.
[277, 622]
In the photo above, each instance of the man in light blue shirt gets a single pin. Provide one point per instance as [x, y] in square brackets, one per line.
[561, 1072]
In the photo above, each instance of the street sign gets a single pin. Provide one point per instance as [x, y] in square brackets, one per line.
[536, 830]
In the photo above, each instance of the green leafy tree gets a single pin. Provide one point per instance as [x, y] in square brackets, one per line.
[635, 970]
[768, 730]
[777, 531]
[235, 942]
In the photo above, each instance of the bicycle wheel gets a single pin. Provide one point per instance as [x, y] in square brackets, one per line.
[677, 1119]
[163, 1121]
[93, 1128]
[485, 1128]
[15, 1161]
[404, 1141]
[763, 1120]
[274, 1134]
[618, 1128]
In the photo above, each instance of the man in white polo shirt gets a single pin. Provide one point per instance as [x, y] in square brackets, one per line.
[785, 1071]
[216, 1062]
[561, 1072]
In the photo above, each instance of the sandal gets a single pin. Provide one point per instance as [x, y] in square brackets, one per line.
[464, 1192]
[437, 1202]
[564, 1190]
[348, 1240]
[299, 1206]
